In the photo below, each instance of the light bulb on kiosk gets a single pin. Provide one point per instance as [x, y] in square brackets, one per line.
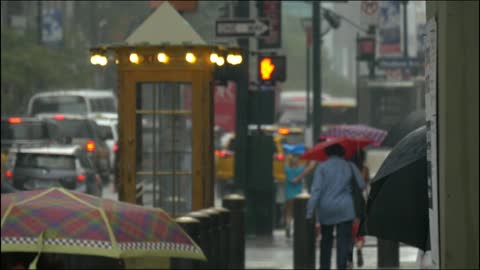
[134, 58]
[162, 57]
[213, 58]
[190, 58]
[95, 59]
[220, 61]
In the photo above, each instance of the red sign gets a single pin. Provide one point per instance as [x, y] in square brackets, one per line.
[225, 106]
[178, 5]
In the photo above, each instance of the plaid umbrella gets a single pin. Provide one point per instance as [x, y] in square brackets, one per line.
[61, 221]
[356, 131]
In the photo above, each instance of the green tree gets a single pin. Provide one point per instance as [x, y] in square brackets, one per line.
[28, 68]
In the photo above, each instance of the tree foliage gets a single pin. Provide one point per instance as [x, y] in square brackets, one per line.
[28, 67]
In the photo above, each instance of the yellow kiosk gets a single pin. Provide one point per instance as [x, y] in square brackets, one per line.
[165, 79]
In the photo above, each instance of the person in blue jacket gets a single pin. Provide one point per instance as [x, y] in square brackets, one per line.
[331, 195]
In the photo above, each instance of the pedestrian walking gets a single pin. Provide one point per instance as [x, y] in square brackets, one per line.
[359, 240]
[332, 197]
[292, 189]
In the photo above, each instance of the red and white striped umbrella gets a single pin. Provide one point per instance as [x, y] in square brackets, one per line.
[356, 131]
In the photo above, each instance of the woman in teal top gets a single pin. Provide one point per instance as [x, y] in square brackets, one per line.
[292, 170]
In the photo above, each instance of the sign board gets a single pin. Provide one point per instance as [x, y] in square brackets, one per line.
[271, 10]
[394, 63]
[369, 13]
[225, 106]
[431, 113]
[389, 29]
[365, 49]
[52, 26]
[242, 28]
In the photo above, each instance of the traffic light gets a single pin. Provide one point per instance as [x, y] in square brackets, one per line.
[272, 68]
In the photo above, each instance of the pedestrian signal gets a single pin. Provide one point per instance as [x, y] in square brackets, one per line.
[272, 68]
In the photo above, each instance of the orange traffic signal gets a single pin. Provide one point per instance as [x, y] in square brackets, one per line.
[271, 68]
[266, 68]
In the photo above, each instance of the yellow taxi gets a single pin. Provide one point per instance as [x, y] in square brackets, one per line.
[225, 158]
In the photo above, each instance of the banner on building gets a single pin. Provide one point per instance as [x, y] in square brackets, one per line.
[431, 113]
[389, 32]
[272, 11]
[52, 24]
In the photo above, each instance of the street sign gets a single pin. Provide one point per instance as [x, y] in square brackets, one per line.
[242, 28]
[369, 13]
[393, 63]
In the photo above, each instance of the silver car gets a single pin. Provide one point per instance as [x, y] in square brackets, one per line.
[66, 166]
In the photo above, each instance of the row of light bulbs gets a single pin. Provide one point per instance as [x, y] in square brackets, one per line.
[134, 58]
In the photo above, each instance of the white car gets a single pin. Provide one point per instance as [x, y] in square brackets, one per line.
[91, 103]
[109, 128]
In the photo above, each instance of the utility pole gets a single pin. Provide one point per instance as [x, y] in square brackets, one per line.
[317, 69]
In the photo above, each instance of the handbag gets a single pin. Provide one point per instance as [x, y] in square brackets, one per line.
[357, 196]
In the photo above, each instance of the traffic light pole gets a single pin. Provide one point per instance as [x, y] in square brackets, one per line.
[317, 69]
[242, 10]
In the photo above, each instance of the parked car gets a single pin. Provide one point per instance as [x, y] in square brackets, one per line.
[86, 133]
[109, 130]
[87, 102]
[17, 131]
[42, 167]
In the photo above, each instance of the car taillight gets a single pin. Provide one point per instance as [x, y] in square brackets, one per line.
[223, 154]
[9, 174]
[90, 146]
[115, 147]
[59, 117]
[81, 178]
[14, 120]
[279, 157]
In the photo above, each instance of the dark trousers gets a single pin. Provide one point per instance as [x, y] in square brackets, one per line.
[344, 240]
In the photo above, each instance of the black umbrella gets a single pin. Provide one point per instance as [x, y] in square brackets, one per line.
[397, 206]
[408, 124]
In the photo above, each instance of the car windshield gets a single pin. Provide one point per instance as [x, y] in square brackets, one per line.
[106, 131]
[75, 129]
[103, 105]
[59, 104]
[24, 131]
[48, 161]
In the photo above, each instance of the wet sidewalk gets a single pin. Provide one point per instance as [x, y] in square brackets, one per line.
[277, 253]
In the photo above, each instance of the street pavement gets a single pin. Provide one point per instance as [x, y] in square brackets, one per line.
[277, 253]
